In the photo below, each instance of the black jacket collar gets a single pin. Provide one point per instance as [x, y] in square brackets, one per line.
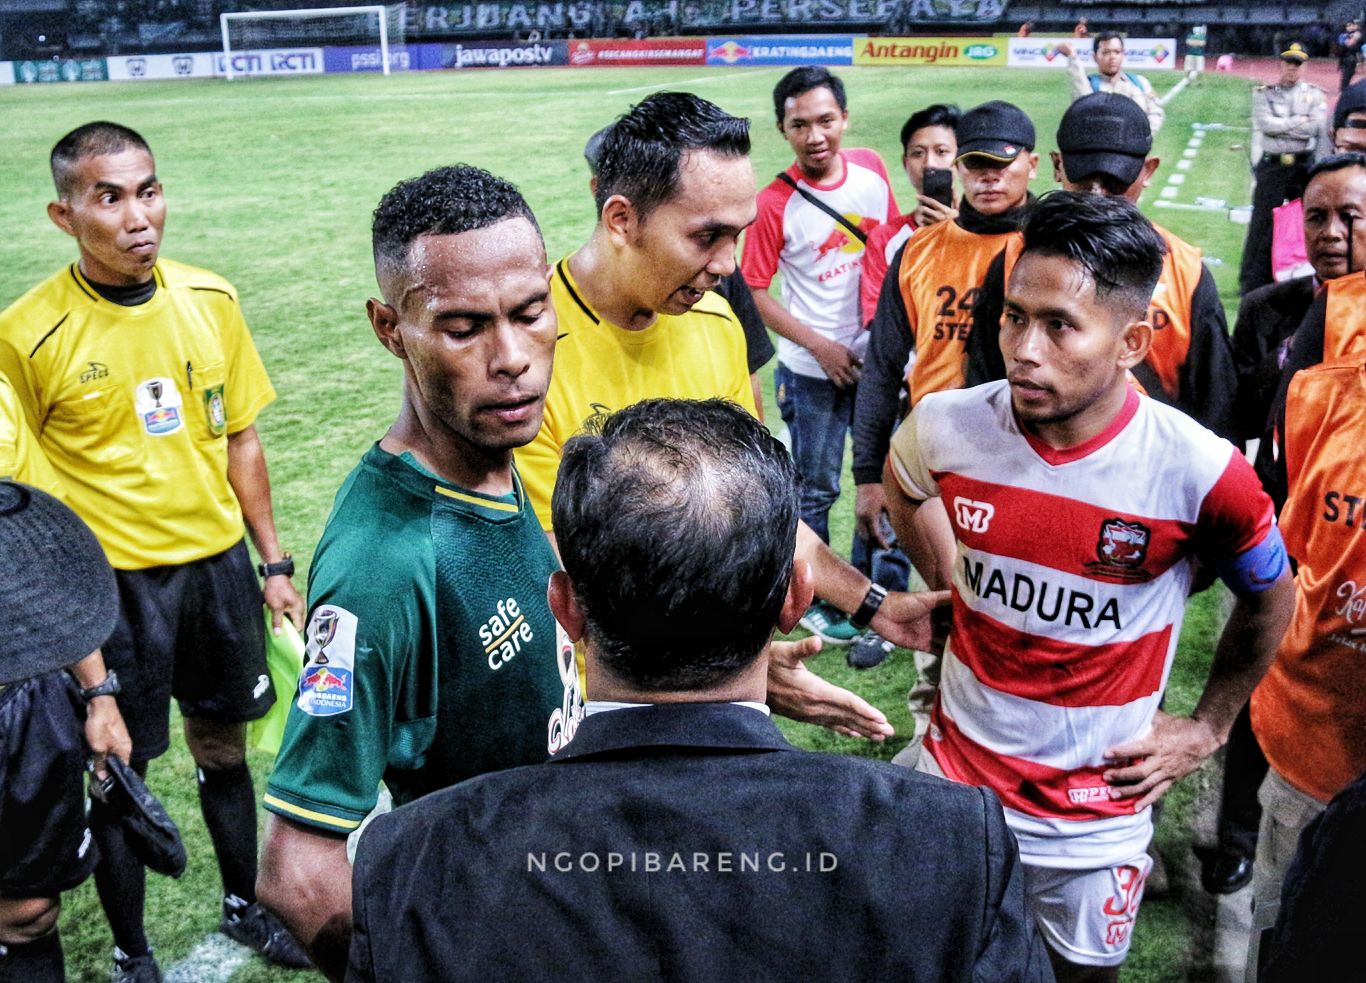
[686, 725]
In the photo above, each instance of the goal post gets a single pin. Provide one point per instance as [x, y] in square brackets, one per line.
[373, 24]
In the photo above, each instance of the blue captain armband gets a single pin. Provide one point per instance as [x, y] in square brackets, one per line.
[1255, 570]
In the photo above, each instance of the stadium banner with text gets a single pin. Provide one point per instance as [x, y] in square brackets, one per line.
[367, 58]
[929, 51]
[6, 73]
[1139, 53]
[779, 49]
[276, 61]
[648, 51]
[182, 66]
[61, 70]
[693, 17]
[504, 54]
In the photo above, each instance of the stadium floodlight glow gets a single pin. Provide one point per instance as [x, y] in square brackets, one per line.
[315, 26]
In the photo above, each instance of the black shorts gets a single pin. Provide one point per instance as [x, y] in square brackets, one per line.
[45, 842]
[193, 631]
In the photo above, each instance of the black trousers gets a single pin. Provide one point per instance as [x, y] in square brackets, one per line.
[1277, 183]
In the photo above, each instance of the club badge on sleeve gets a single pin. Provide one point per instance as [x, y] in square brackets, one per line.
[327, 686]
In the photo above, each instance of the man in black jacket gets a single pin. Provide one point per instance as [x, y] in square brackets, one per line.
[678, 836]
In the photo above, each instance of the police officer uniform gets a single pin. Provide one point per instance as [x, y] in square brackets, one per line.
[1288, 132]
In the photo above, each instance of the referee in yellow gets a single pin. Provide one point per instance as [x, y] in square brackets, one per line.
[142, 384]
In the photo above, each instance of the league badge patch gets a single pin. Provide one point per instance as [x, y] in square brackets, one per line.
[214, 410]
[327, 685]
[159, 407]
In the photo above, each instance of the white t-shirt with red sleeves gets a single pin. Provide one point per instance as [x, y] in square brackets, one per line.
[819, 258]
[1069, 586]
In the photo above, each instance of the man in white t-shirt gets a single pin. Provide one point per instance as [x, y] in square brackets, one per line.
[812, 222]
[1080, 511]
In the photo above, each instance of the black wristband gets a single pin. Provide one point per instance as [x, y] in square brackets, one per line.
[110, 687]
[871, 602]
[284, 568]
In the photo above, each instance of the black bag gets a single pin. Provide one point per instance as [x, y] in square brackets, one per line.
[151, 834]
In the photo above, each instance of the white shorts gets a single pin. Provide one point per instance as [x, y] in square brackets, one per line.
[1086, 916]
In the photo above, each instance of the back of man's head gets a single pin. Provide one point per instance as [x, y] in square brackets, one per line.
[444, 201]
[641, 154]
[1109, 238]
[804, 79]
[1106, 133]
[97, 139]
[676, 523]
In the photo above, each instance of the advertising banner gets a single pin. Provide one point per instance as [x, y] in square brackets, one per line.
[499, 54]
[278, 61]
[929, 51]
[691, 17]
[6, 73]
[1140, 54]
[778, 49]
[140, 67]
[650, 51]
[60, 70]
[366, 58]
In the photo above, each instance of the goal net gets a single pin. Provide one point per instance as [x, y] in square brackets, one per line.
[377, 27]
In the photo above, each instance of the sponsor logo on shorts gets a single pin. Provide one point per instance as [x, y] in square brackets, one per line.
[327, 685]
[158, 405]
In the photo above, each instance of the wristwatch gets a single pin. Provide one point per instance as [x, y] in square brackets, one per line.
[285, 567]
[871, 602]
[109, 687]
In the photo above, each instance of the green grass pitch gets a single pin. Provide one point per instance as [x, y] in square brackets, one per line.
[271, 183]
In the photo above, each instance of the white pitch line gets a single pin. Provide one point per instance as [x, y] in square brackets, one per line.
[213, 960]
[671, 84]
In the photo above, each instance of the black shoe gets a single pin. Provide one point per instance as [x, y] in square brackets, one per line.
[260, 931]
[135, 969]
[869, 650]
[1225, 873]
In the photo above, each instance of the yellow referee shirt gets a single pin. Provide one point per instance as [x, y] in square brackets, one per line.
[600, 368]
[133, 405]
[20, 457]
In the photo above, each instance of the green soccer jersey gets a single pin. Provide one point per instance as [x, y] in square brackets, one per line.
[432, 653]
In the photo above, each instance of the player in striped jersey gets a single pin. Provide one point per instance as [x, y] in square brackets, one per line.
[1080, 510]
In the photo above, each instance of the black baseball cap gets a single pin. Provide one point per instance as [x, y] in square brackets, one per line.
[996, 130]
[1104, 133]
[1352, 100]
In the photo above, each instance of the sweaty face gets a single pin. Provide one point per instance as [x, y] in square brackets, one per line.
[1335, 222]
[929, 146]
[813, 125]
[1110, 57]
[116, 211]
[686, 245]
[1061, 345]
[992, 187]
[478, 332]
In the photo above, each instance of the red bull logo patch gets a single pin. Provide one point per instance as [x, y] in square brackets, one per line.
[325, 691]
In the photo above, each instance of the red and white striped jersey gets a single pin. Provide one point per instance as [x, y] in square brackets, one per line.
[1070, 582]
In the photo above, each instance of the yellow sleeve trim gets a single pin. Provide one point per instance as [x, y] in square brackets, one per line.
[309, 814]
[481, 502]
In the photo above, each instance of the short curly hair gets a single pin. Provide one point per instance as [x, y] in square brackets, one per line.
[444, 201]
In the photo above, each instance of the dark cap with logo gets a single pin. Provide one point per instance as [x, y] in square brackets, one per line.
[1352, 100]
[1295, 52]
[1104, 133]
[996, 130]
